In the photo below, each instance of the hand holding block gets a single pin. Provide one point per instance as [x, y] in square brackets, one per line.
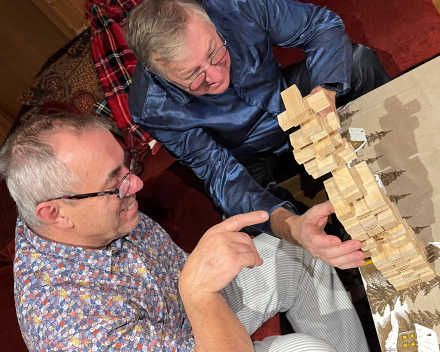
[293, 101]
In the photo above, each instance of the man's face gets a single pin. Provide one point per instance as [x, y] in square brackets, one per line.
[202, 43]
[98, 159]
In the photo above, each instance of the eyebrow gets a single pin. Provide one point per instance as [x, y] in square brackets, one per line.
[189, 72]
[114, 173]
[111, 176]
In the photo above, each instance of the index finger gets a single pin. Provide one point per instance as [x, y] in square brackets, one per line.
[237, 222]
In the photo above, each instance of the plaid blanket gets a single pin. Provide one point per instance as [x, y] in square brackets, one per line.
[115, 63]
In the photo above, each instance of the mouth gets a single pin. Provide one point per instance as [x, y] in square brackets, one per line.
[131, 205]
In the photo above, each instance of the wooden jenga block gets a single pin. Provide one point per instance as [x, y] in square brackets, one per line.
[346, 151]
[352, 225]
[422, 268]
[427, 276]
[331, 122]
[419, 260]
[338, 140]
[312, 125]
[318, 101]
[318, 136]
[375, 230]
[346, 184]
[295, 108]
[360, 206]
[412, 279]
[374, 198]
[387, 218]
[326, 164]
[391, 252]
[324, 146]
[343, 209]
[399, 241]
[311, 166]
[284, 121]
[299, 140]
[367, 219]
[397, 231]
[360, 236]
[409, 250]
[401, 262]
[304, 154]
[363, 176]
[381, 261]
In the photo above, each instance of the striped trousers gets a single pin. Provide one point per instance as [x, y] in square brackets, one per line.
[291, 280]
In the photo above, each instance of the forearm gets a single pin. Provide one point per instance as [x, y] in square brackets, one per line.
[215, 326]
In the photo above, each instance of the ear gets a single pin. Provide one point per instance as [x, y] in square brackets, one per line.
[49, 212]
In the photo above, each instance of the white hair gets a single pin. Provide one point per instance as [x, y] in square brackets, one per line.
[156, 30]
[29, 164]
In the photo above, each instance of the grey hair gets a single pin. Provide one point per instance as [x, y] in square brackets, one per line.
[156, 28]
[29, 164]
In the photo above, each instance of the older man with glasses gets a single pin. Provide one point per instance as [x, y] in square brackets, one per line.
[207, 86]
[92, 273]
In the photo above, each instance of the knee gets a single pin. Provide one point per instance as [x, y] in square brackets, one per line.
[293, 342]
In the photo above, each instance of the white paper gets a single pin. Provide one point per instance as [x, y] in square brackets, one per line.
[357, 134]
[426, 339]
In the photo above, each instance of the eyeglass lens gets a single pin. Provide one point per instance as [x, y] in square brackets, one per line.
[216, 59]
[125, 185]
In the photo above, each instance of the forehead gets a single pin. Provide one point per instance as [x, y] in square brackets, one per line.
[92, 155]
[199, 37]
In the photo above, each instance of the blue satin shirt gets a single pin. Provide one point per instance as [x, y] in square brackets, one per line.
[206, 132]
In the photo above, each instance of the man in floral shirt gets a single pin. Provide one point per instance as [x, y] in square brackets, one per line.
[92, 273]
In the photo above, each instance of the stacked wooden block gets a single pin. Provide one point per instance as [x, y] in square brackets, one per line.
[360, 204]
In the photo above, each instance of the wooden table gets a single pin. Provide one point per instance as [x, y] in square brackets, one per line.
[402, 124]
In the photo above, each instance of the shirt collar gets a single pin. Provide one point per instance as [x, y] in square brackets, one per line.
[49, 248]
[178, 94]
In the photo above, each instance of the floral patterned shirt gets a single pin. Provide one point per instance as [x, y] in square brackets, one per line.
[123, 298]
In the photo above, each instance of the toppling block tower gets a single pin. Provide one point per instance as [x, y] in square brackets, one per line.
[360, 204]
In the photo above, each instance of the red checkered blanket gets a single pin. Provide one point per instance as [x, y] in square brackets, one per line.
[115, 64]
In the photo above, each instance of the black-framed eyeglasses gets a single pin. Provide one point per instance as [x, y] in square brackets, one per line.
[121, 190]
[218, 56]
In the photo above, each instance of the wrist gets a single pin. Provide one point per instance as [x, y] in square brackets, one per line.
[285, 224]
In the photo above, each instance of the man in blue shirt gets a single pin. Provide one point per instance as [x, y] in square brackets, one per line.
[207, 86]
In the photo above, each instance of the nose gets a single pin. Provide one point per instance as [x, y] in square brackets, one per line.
[214, 74]
[136, 185]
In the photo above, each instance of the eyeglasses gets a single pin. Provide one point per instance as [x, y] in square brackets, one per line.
[121, 190]
[218, 56]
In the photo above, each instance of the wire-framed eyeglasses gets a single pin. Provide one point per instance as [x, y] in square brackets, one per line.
[121, 190]
[216, 58]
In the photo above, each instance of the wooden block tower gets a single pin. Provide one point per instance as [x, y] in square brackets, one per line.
[360, 204]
